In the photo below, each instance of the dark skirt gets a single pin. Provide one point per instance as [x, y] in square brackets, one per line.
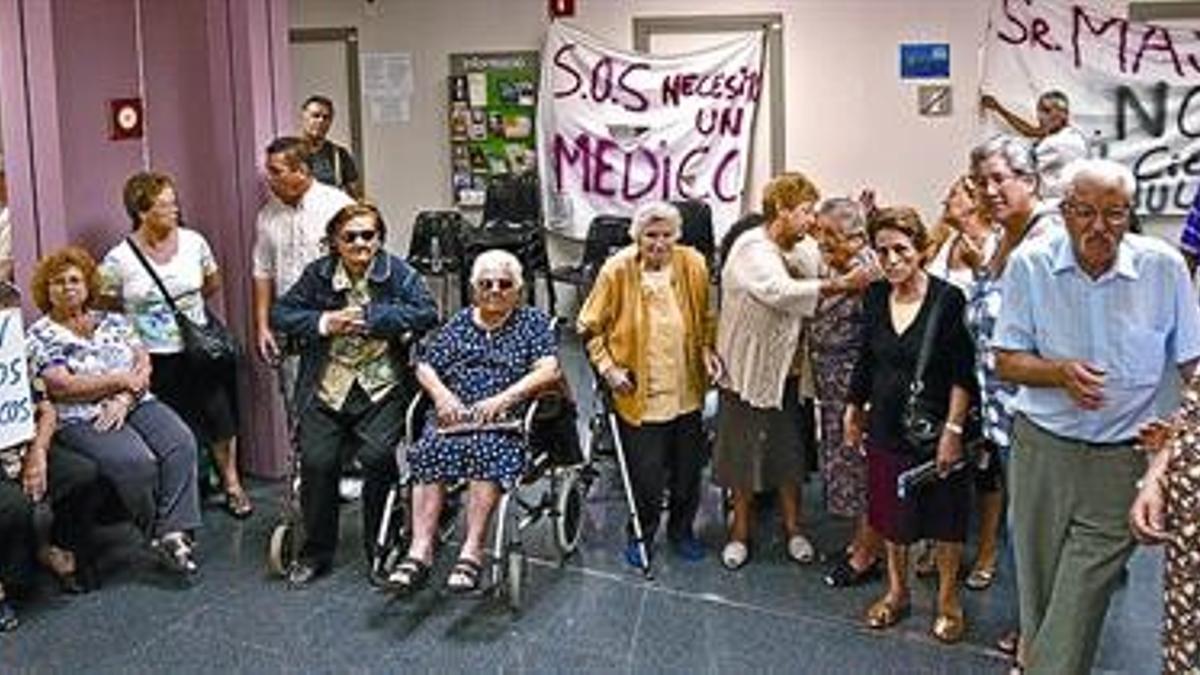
[938, 509]
[206, 398]
[757, 448]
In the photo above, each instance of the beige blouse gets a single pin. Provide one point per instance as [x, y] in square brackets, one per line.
[763, 308]
[667, 393]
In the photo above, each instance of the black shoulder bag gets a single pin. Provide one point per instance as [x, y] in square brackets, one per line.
[205, 345]
[921, 420]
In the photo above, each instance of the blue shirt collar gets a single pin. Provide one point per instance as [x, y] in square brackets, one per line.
[1064, 258]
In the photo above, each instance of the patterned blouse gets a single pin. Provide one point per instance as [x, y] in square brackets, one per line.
[996, 396]
[112, 347]
[356, 358]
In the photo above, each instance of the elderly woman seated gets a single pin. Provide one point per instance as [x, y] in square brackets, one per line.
[351, 310]
[97, 374]
[483, 365]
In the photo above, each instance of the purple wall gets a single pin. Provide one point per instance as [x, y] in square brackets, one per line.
[216, 80]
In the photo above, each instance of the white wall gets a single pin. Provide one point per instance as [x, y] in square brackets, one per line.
[851, 122]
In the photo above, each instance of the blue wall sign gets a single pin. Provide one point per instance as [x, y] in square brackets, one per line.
[925, 60]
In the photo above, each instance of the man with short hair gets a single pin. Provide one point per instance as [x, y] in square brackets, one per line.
[1058, 142]
[1094, 320]
[331, 163]
[290, 230]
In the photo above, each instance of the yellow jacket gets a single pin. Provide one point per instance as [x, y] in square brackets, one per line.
[613, 322]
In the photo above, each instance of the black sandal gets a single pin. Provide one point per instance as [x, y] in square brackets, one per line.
[843, 574]
[468, 569]
[410, 576]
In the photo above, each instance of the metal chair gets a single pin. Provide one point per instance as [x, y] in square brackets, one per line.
[605, 235]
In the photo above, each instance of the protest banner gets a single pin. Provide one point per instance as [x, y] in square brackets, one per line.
[16, 406]
[1134, 88]
[618, 128]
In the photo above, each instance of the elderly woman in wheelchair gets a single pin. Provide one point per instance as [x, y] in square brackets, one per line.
[480, 371]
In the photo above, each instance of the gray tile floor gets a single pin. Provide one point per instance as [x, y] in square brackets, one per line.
[592, 614]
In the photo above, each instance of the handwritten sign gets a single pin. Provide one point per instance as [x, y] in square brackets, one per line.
[16, 408]
[618, 128]
[1134, 87]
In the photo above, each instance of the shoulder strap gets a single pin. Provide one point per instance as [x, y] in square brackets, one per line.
[928, 337]
[153, 275]
[337, 163]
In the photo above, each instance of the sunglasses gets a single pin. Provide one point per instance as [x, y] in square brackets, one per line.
[365, 236]
[494, 284]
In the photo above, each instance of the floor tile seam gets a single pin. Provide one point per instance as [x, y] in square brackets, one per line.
[713, 599]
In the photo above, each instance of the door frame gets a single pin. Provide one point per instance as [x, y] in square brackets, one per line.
[772, 27]
[348, 38]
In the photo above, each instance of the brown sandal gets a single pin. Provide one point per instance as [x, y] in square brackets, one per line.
[886, 613]
[237, 503]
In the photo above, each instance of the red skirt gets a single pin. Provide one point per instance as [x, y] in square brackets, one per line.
[937, 510]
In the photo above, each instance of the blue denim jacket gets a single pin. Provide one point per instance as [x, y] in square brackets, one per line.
[400, 305]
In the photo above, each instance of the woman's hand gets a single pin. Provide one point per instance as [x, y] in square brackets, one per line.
[713, 365]
[346, 321]
[619, 380]
[852, 426]
[33, 474]
[112, 413]
[491, 408]
[139, 379]
[1152, 436]
[1147, 515]
[450, 409]
[949, 452]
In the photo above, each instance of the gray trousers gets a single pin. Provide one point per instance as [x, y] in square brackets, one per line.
[1070, 502]
[151, 461]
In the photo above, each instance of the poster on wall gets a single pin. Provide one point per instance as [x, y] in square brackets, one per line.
[1134, 88]
[493, 101]
[618, 128]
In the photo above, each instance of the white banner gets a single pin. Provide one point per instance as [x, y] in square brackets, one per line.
[1134, 88]
[617, 128]
[16, 407]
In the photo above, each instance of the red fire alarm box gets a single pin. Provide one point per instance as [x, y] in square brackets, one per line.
[125, 118]
[561, 8]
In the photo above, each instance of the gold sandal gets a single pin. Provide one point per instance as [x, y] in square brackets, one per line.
[949, 628]
[886, 613]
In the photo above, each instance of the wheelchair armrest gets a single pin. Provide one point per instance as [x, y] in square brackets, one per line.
[412, 416]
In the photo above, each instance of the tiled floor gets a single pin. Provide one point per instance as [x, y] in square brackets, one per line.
[591, 615]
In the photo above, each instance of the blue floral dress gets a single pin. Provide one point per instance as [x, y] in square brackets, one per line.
[475, 364]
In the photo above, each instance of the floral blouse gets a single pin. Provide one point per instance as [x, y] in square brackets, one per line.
[112, 348]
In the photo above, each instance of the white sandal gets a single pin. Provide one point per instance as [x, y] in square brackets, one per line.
[734, 555]
[800, 549]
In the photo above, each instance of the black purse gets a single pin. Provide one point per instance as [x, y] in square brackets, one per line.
[921, 419]
[203, 345]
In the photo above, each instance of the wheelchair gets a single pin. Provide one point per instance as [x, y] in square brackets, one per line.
[553, 457]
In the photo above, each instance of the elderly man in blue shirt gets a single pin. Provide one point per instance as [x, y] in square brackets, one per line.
[1094, 322]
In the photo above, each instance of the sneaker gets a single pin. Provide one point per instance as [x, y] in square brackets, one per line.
[689, 548]
[633, 555]
[350, 489]
[8, 617]
[173, 551]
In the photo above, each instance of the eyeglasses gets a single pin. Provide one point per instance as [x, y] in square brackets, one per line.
[981, 181]
[365, 236]
[494, 284]
[1115, 215]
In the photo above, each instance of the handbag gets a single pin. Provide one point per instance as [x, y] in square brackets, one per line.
[203, 345]
[922, 420]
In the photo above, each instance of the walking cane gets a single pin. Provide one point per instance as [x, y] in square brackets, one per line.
[638, 537]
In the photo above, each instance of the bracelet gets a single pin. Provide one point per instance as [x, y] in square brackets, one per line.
[953, 428]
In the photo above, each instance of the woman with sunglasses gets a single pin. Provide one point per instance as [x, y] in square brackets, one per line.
[482, 367]
[350, 311]
[649, 332]
[205, 397]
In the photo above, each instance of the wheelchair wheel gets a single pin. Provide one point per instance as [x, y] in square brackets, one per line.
[281, 549]
[514, 577]
[568, 513]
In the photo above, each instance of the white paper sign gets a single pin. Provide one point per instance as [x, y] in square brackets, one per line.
[16, 408]
[618, 128]
[1134, 88]
[387, 80]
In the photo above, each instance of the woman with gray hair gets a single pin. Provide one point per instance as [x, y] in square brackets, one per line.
[835, 340]
[483, 366]
[649, 333]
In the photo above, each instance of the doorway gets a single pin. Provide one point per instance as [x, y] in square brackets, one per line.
[325, 61]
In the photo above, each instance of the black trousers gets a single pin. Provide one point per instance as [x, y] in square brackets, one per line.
[665, 455]
[327, 438]
[74, 495]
